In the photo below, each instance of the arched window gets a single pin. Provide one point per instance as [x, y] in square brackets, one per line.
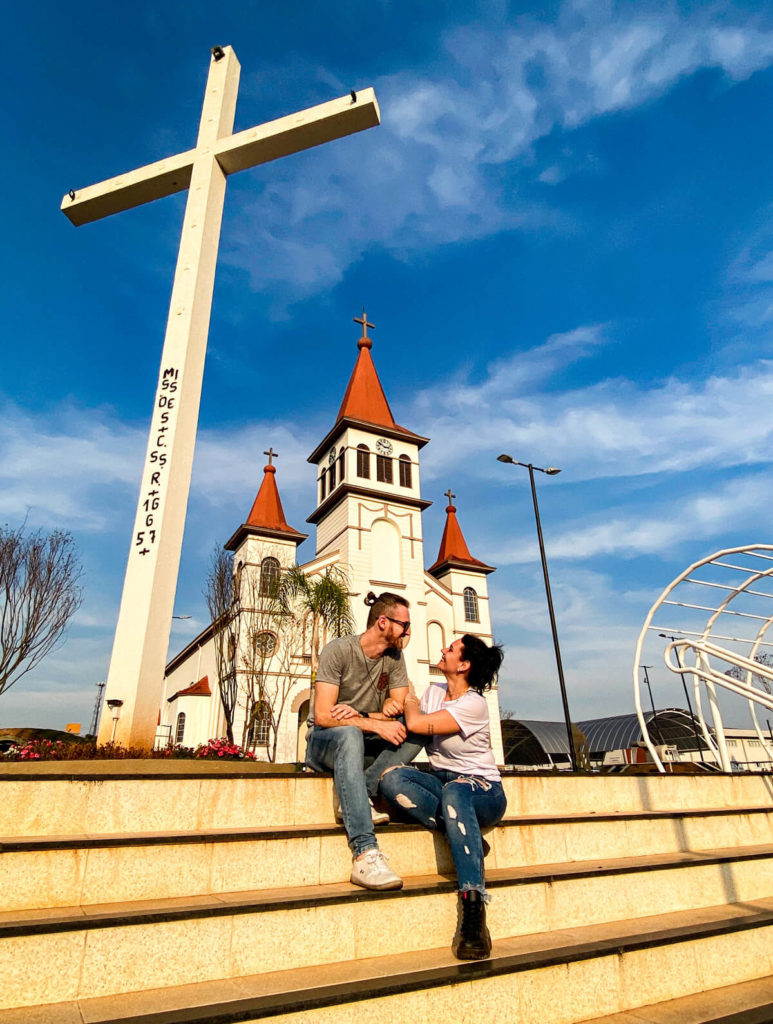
[471, 605]
[322, 483]
[341, 464]
[332, 474]
[238, 581]
[436, 641]
[363, 461]
[260, 724]
[269, 575]
[405, 471]
[180, 729]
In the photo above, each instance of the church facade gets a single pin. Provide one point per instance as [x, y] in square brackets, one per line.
[368, 520]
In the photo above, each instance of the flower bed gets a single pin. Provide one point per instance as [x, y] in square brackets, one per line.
[60, 750]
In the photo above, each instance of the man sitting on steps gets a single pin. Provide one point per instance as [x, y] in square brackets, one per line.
[353, 720]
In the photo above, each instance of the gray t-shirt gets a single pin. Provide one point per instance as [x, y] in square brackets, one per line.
[362, 682]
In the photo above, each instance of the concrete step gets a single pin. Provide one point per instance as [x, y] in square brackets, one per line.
[98, 798]
[750, 1002]
[69, 870]
[562, 977]
[181, 941]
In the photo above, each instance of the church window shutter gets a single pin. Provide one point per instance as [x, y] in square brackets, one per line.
[470, 605]
[405, 471]
[363, 461]
[180, 730]
[322, 482]
[269, 575]
[384, 469]
[341, 464]
[332, 475]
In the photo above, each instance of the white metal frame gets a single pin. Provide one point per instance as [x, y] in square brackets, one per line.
[703, 646]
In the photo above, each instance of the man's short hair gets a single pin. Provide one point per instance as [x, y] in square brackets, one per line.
[383, 605]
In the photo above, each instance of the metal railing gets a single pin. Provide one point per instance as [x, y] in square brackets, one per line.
[695, 652]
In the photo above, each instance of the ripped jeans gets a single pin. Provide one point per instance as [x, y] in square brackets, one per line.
[459, 806]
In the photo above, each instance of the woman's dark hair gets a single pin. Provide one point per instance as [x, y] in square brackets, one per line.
[382, 605]
[484, 662]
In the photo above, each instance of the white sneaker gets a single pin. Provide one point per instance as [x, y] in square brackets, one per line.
[371, 871]
[377, 817]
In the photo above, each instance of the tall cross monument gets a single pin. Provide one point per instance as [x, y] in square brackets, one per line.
[145, 616]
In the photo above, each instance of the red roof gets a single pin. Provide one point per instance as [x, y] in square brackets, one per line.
[200, 689]
[267, 512]
[364, 398]
[266, 515]
[453, 547]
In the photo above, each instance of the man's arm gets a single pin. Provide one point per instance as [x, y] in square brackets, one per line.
[328, 714]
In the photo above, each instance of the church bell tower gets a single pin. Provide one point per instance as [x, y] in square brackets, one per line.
[369, 503]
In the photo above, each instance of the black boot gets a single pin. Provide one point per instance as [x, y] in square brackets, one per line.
[472, 940]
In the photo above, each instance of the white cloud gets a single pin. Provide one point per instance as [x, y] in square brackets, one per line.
[732, 506]
[613, 428]
[429, 175]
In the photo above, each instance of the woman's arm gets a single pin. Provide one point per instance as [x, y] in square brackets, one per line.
[438, 723]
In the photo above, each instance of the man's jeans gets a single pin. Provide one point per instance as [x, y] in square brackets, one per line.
[344, 750]
[458, 806]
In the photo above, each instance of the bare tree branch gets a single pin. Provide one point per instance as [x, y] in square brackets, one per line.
[222, 599]
[39, 593]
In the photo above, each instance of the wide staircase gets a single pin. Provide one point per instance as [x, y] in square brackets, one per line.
[171, 892]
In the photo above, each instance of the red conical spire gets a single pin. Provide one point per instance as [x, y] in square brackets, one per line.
[364, 398]
[267, 512]
[453, 547]
[266, 515]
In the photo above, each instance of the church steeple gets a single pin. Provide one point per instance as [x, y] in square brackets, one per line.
[364, 399]
[266, 518]
[453, 547]
[364, 403]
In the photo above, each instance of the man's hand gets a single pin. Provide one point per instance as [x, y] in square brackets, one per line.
[392, 732]
[392, 708]
[343, 711]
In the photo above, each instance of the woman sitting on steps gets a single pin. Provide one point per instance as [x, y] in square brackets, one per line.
[463, 792]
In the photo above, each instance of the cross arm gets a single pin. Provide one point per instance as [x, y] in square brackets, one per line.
[154, 181]
[296, 132]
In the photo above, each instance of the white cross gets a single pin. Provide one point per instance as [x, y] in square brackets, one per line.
[145, 618]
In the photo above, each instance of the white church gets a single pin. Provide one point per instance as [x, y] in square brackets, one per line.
[368, 523]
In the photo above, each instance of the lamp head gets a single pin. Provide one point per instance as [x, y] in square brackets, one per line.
[552, 470]
[505, 458]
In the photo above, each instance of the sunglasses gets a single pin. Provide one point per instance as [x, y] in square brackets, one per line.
[405, 625]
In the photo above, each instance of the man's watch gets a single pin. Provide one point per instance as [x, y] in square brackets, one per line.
[364, 714]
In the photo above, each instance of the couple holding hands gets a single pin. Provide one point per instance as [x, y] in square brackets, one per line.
[366, 724]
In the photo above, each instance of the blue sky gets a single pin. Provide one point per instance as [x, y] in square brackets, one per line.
[563, 230]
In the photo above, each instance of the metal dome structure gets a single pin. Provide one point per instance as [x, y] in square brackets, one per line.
[669, 726]
[717, 616]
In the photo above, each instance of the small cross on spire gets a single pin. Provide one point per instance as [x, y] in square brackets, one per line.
[271, 455]
[450, 496]
[364, 321]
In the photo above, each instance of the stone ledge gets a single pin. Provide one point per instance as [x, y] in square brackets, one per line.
[98, 916]
[141, 768]
[296, 991]
[37, 844]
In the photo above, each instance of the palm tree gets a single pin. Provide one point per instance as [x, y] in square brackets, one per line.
[325, 598]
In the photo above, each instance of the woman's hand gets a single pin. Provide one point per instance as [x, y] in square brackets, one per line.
[392, 708]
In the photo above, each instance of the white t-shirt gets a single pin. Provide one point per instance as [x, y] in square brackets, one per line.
[468, 751]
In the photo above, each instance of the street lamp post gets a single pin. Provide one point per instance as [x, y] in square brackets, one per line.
[652, 702]
[551, 471]
[673, 639]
